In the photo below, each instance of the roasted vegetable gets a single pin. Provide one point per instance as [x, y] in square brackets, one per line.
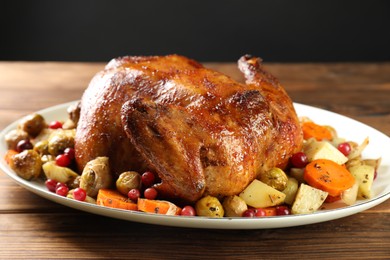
[364, 176]
[260, 195]
[13, 137]
[357, 149]
[354, 162]
[88, 199]
[234, 206]
[319, 132]
[59, 140]
[328, 176]
[26, 164]
[114, 199]
[297, 173]
[158, 207]
[373, 162]
[209, 207]
[323, 150]
[58, 173]
[32, 124]
[75, 183]
[8, 156]
[127, 181]
[357, 161]
[290, 190]
[96, 175]
[276, 178]
[349, 196]
[308, 200]
[42, 147]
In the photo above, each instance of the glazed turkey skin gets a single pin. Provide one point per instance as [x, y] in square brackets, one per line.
[199, 130]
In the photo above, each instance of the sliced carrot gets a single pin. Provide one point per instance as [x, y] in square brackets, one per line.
[270, 211]
[114, 199]
[8, 155]
[328, 176]
[158, 207]
[319, 132]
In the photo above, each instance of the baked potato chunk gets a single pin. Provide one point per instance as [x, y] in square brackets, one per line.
[308, 200]
[260, 195]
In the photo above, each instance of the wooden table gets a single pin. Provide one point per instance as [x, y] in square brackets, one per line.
[33, 227]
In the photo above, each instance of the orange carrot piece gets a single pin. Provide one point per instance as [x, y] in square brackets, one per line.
[270, 211]
[319, 132]
[328, 176]
[114, 199]
[158, 207]
[8, 155]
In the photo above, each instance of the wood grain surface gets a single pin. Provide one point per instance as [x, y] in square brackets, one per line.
[34, 228]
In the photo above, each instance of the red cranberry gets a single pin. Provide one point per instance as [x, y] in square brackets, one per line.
[63, 160]
[259, 212]
[62, 190]
[51, 185]
[24, 145]
[299, 160]
[134, 194]
[55, 125]
[344, 148]
[70, 153]
[148, 179]
[60, 184]
[188, 211]
[150, 193]
[79, 194]
[282, 210]
[249, 213]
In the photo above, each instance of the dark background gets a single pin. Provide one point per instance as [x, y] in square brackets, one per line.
[282, 31]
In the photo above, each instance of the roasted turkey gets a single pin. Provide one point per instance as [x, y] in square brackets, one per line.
[202, 132]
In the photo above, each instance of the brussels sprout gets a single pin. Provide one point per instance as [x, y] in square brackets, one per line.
[209, 207]
[13, 137]
[297, 173]
[276, 178]
[290, 190]
[96, 175]
[32, 124]
[127, 181]
[59, 140]
[42, 147]
[27, 164]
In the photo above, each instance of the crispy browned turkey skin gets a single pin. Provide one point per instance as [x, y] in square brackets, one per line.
[201, 131]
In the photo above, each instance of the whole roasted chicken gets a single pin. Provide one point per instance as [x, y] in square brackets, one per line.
[202, 132]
